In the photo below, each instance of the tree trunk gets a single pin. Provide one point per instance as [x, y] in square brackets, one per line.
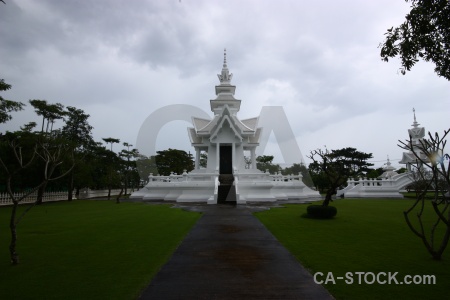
[328, 199]
[13, 228]
[120, 195]
[70, 191]
[40, 194]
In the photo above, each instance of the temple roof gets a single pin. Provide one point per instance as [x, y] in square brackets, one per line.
[206, 127]
[250, 123]
[225, 108]
[199, 123]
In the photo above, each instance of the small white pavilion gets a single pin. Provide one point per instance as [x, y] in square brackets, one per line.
[389, 171]
[227, 177]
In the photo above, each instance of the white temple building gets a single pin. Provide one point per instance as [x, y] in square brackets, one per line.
[390, 183]
[225, 138]
[416, 134]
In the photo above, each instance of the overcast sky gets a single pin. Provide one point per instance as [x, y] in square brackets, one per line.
[120, 61]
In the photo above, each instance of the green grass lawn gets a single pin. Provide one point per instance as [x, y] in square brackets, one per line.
[89, 249]
[365, 236]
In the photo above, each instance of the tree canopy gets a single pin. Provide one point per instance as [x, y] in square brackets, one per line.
[173, 160]
[424, 34]
[264, 163]
[336, 166]
[7, 106]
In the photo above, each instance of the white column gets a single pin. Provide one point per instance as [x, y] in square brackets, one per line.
[217, 156]
[197, 158]
[233, 156]
[253, 158]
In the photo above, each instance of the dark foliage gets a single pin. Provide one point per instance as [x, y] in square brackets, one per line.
[424, 34]
[321, 212]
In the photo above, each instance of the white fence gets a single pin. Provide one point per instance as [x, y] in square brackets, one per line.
[211, 176]
[56, 196]
[48, 196]
[88, 193]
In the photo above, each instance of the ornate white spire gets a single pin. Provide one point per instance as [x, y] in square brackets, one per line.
[225, 58]
[388, 163]
[416, 132]
[415, 124]
[225, 76]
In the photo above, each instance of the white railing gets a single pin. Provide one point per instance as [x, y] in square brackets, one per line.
[88, 193]
[280, 177]
[183, 177]
[216, 188]
[236, 186]
[371, 186]
[372, 182]
[247, 176]
[5, 199]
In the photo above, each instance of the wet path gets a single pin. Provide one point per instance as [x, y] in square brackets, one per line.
[229, 254]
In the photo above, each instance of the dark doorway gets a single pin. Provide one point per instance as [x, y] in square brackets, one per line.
[226, 160]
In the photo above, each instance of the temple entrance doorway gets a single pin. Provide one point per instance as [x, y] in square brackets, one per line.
[227, 193]
[226, 160]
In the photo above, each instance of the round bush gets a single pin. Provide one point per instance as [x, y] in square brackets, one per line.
[321, 212]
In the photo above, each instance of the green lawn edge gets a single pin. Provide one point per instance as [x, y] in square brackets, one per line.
[89, 249]
[367, 235]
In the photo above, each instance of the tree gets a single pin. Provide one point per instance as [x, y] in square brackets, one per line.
[302, 170]
[27, 149]
[424, 34]
[401, 170]
[146, 166]
[111, 168]
[173, 160]
[337, 166]
[7, 106]
[111, 140]
[432, 174]
[374, 173]
[78, 132]
[319, 178]
[129, 165]
[49, 112]
[264, 163]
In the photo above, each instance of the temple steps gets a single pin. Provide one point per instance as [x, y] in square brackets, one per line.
[227, 191]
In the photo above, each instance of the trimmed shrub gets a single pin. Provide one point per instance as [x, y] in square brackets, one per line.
[321, 212]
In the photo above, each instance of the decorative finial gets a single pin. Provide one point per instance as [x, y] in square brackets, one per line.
[225, 57]
[415, 124]
[225, 76]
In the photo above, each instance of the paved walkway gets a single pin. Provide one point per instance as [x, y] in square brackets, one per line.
[229, 254]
